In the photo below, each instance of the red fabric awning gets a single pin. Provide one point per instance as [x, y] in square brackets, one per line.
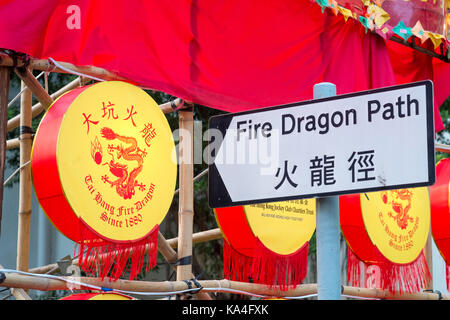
[230, 55]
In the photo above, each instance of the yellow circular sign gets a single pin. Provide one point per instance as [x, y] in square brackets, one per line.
[114, 157]
[397, 222]
[285, 226]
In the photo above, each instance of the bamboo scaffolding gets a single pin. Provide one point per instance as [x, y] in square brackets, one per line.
[24, 216]
[4, 91]
[46, 284]
[186, 195]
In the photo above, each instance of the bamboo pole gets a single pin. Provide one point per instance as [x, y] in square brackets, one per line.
[12, 143]
[171, 106]
[442, 147]
[23, 237]
[384, 294]
[6, 60]
[186, 195]
[411, 44]
[19, 294]
[49, 268]
[166, 250]
[428, 253]
[45, 284]
[4, 91]
[46, 65]
[199, 237]
[34, 85]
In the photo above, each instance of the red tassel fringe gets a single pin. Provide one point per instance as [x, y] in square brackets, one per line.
[267, 267]
[273, 269]
[396, 278]
[115, 258]
[236, 266]
[355, 268]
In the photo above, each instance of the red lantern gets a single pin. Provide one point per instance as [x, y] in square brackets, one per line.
[440, 212]
[104, 175]
[268, 250]
[367, 265]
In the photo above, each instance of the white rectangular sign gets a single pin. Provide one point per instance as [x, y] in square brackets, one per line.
[360, 142]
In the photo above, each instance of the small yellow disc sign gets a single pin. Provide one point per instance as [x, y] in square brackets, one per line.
[284, 226]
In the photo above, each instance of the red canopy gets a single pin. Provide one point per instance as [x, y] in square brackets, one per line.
[230, 55]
